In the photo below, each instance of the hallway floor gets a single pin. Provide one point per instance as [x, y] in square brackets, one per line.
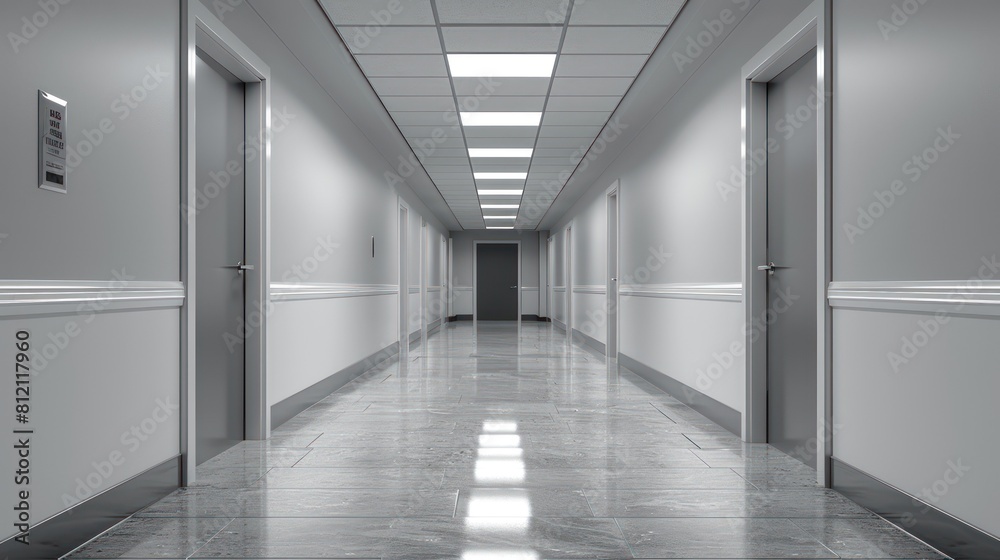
[494, 444]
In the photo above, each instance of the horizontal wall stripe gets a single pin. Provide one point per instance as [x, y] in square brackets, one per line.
[462, 288]
[559, 289]
[731, 292]
[38, 297]
[600, 290]
[434, 288]
[967, 298]
[298, 292]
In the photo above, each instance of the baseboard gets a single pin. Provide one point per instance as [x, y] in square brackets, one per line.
[68, 530]
[722, 414]
[937, 528]
[532, 319]
[590, 342]
[291, 407]
[454, 318]
[434, 325]
[559, 325]
[415, 337]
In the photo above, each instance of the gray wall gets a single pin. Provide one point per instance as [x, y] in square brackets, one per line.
[463, 243]
[673, 212]
[341, 195]
[119, 222]
[906, 423]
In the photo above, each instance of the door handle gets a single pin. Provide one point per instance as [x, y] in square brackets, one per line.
[614, 279]
[241, 267]
[770, 268]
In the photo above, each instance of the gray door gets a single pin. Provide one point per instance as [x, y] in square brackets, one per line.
[220, 246]
[497, 283]
[791, 245]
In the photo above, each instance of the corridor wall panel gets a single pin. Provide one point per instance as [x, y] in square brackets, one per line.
[680, 216]
[916, 198]
[330, 195]
[100, 366]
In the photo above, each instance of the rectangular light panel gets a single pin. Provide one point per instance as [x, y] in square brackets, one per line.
[501, 192]
[500, 217]
[501, 152]
[481, 176]
[502, 65]
[500, 206]
[509, 118]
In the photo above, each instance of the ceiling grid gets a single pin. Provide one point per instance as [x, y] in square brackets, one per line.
[535, 81]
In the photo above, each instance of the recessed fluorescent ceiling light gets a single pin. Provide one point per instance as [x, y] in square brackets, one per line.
[500, 152]
[500, 206]
[507, 227]
[500, 176]
[501, 192]
[507, 118]
[501, 65]
[500, 217]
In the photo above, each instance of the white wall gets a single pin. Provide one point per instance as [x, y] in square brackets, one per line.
[895, 88]
[463, 243]
[341, 196]
[676, 228]
[119, 223]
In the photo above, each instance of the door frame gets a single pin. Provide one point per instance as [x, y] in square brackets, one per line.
[613, 268]
[475, 273]
[201, 29]
[568, 277]
[403, 217]
[811, 29]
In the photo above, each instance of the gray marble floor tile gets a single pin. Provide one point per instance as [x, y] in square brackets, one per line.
[722, 503]
[721, 538]
[284, 502]
[497, 443]
[148, 538]
[866, 538]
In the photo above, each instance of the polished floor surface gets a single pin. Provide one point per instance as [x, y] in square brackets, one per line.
[492, 443]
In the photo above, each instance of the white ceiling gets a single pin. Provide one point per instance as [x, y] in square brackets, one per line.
[601, 46]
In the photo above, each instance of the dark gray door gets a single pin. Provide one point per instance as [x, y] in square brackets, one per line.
[220, 226]
[496, 276]
[791, 245]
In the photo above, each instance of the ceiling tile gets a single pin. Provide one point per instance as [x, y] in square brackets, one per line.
[583, 103]
[396, 103]
[489, 87]
[430, 132]
[421, 146]
[550, 153]
[612, 40]
[421, 118]
[441, 161]
[591, 86]
[507, 39]
[500, 103]
[565, 142]
[502, 11]
[376, 13]
[625, 12]
[578, 118]
[587, 65]
[410, 40]
[411, 86]
[402, 65]
[570, 131]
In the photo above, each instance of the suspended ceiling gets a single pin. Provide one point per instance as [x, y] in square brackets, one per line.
[403, 47]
